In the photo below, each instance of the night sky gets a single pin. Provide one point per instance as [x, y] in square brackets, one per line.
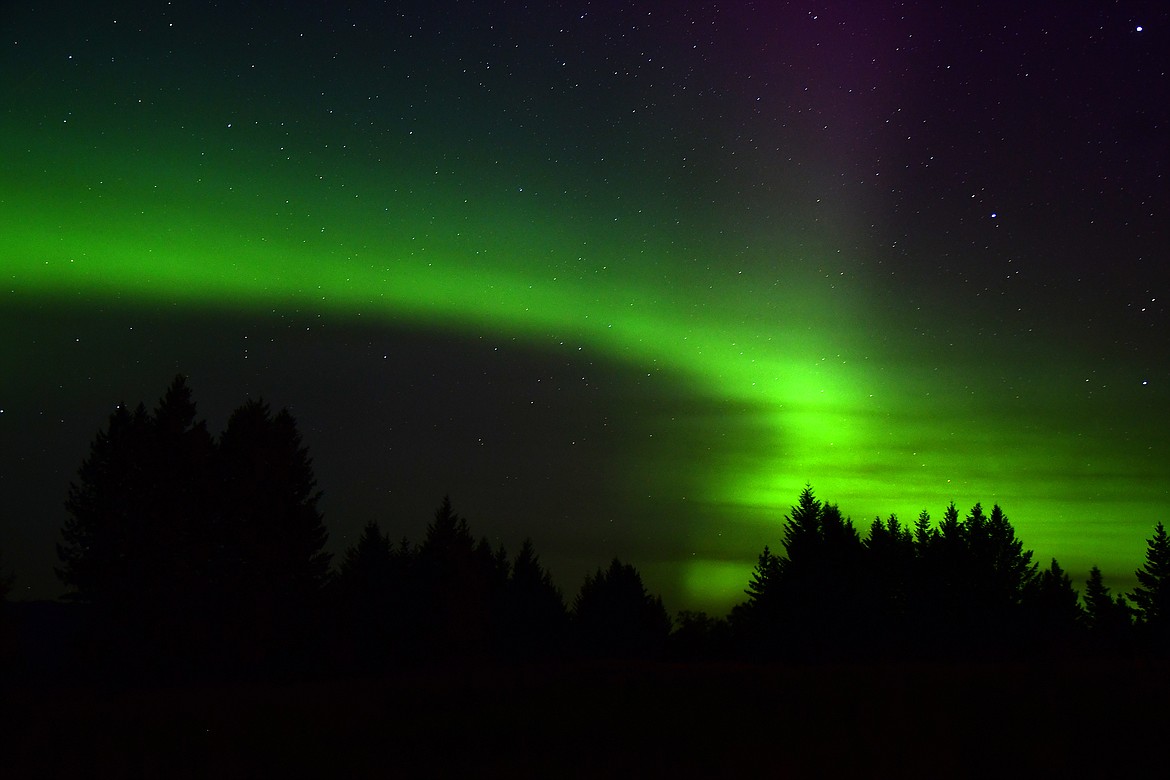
[621, 277]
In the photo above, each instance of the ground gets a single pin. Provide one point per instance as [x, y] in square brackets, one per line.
[592, 720]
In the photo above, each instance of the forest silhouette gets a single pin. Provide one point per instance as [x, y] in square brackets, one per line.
[200, 559]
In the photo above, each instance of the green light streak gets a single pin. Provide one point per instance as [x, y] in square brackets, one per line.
[204, 226]
[513, 273]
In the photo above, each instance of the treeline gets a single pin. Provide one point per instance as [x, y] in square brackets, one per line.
[190, 554]
[454, 597]
[196, 555]
[965, 588]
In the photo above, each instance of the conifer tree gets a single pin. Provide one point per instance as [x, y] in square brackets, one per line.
[757, 621]
[1151, 598]
[136, 529]
[971, 578]
[890, 568]
[1054, 618]
[534, 617]
[135, 543]
[616, 617]
[923, 533]
[460, 586]
[368, 560]
[765, 582]
[802, 529]
[1107, 618]
[272, 555]
[808, 602]
[366, 594]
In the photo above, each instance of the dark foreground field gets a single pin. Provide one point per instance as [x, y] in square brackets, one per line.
[611, 720]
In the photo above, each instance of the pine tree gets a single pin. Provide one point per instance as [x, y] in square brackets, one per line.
[890, 565]
[765, 582]
[972, 575]
[460, 584]
[821, 601]
[1012, 566]
[945, 579]
[1052, 609]
[365, 597]
[100, 552]
[367, 562]
[923, 534]
[136, 516]
[1151, 597]
[699, 637]
[808, 602]
[135, 543]
[1108, 619]
[802, 528]
[272, 535]
[534, 617]
[616, 617]
[756, 623]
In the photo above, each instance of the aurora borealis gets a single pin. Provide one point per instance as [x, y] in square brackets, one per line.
[619, 276]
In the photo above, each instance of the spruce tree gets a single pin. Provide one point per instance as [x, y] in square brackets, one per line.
[365, 593]
[135, 543]
[764, 585]
[1107, 618]
[757, 621]
[272, 556]
[1054, 618]
[534, 618]
[923, 533]
[137, 515]
[460, 585]
[890, 562]
[616, 617]
[1151, 598]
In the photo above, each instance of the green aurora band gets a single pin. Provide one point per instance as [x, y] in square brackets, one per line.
[121, 209]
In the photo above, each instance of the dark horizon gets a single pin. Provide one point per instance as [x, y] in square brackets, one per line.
[1120, 582]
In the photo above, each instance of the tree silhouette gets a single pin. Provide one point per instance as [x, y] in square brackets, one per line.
[808, 603]
[960, 587]
[975, 572]
[367, 562]
[461, 586]
[756, 623]
[534, 618]
[891, 567]
[366, 592]
[1109, 620]
[699, 637]
[616, 617]
[1053, 616]
[271, 534]
[180, 546]
[1151, 598]
[135, 541]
